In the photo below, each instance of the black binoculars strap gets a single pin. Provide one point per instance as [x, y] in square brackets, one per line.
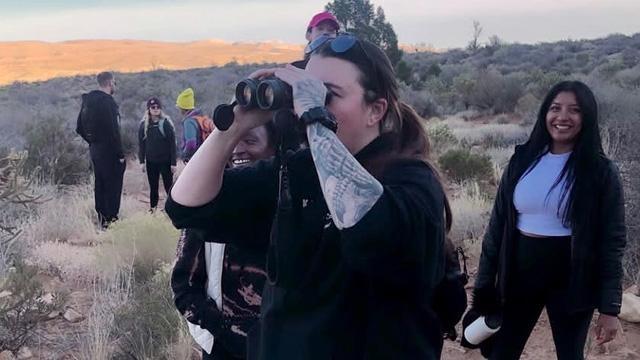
[282, 229]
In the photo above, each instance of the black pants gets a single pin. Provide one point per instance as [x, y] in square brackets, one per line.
[541, 280]
[109, 173]
[154, 170]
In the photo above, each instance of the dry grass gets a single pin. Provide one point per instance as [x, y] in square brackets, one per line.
[72, 263]
[184, 348]
[68, 216]
[471, 210]
[491, 135]
[109, 293]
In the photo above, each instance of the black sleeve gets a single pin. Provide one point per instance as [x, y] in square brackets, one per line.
[612, 243]
[242, 211]
[79, 128]
[489, 257]
[171, 137]
[402, 236]
[189, 283]
[141, 144]
[114, 128]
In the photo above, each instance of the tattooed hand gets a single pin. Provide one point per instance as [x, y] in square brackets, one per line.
[308, 92]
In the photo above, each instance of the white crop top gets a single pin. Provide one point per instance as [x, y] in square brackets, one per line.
[537, 207]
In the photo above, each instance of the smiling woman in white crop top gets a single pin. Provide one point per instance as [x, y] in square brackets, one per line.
[538, 196]
[556, 235]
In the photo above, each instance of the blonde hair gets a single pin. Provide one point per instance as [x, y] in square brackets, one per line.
[147, 117]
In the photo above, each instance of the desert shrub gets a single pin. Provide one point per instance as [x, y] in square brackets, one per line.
[540, 82]
[422, 101]
[462, 164]
[17, 202]
[145, 241]
[629, 78]
[496, 92]
[440, 136]
[527, 107]
[502, 119]
[631, 259]
[499, 155]
[22, 306]
[148, 323]
[55, 154]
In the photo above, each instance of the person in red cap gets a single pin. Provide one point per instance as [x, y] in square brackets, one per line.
[323, 23]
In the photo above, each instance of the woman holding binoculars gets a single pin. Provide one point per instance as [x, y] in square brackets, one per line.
[357, 226]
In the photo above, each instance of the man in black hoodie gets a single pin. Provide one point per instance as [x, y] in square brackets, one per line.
[99, 125]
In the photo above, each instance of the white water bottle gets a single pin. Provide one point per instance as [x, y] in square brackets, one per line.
[482, 328]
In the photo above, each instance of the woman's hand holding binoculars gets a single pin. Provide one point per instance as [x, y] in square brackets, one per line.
[308, 91]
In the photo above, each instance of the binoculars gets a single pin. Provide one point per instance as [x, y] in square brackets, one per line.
[267, 94]
[270, 94]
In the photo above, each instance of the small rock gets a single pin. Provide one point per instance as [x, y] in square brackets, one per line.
[7, 355]
[73, 316]
[5, 293]
[24, 353]
[54, 314]
[630, 310]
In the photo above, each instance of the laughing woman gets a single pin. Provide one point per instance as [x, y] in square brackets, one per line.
[557, 232]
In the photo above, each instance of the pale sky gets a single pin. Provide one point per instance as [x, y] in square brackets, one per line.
[441, 23]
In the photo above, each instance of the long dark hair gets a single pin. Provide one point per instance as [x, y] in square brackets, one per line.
[401, 124]
[579, 173]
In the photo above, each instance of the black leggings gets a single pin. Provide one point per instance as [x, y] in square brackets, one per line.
[541, 280]
[154, 170]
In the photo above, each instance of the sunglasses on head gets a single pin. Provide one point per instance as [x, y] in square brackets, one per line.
[339, 44]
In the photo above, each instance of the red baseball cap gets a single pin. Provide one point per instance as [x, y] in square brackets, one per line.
[323, 16]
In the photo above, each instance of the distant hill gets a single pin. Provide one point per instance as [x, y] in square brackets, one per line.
[36, 61]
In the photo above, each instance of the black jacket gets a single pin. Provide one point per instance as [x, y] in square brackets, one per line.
[596, 246]
[158, 146]
[359, 293]
[103, 120]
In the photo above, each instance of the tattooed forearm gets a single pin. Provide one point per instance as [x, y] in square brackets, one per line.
[350, 191]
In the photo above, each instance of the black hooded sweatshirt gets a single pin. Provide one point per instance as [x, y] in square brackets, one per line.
[359, 293]
[99, 124]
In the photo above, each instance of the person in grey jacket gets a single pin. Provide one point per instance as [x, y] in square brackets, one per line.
[556, 235]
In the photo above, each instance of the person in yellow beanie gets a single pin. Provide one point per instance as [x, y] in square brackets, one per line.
[190, 129]
[186, 100]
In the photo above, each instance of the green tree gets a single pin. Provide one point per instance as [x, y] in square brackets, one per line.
[404, 71]
[359, 18]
